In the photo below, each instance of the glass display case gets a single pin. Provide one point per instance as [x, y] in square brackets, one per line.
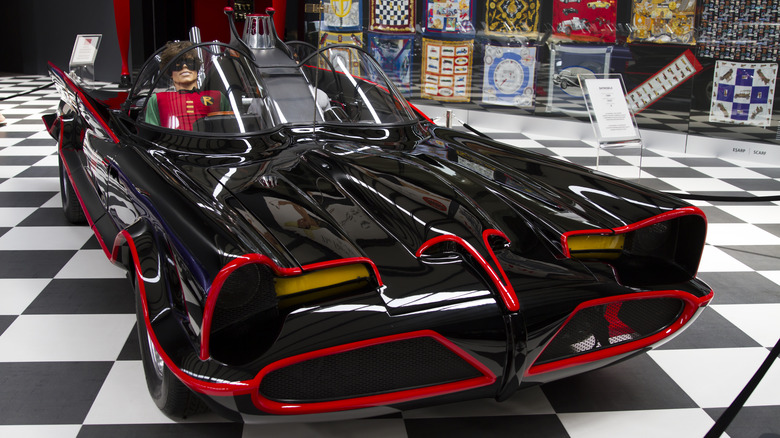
[704, 67]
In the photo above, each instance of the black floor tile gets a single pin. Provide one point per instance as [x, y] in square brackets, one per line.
[195, 430]
[635, 384]
[505, 426]
[33, 264]
[25, 199]
[716, 216]
[759, 258]
[710, 330]
[45, 217]
[132, 349]
[6, 321]
[49, 392]
[674, 172]
[741, 288]
[84, 296]
[40, 172]
[751, 422]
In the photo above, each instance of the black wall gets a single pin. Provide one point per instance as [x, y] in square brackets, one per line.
[34, 32]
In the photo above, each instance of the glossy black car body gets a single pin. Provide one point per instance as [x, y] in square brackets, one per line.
[295, 263]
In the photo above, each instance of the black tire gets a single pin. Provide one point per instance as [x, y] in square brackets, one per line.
[170, 395]
[70, 202]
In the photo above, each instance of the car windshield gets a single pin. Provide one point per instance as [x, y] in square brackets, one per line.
[213, 88]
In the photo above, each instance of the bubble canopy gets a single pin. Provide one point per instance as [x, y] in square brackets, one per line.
[216, 88]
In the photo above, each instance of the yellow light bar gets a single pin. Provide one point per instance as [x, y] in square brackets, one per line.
[596, 246]
[322, 279]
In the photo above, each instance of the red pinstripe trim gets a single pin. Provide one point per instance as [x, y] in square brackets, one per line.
[505, 289]
[275, 407]
[666, 216]
[692, 305]
[224, 273]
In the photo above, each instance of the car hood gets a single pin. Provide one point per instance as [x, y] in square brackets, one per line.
[342, 199]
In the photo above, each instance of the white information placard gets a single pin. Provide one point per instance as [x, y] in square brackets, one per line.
[85, 50]
[610, 108]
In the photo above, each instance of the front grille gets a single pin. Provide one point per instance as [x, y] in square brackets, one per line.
[375, 369]
[606, 325]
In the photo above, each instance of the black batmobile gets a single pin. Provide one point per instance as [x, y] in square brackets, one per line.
[303, 242]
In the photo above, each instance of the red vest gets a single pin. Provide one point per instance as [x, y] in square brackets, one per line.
[181, 110]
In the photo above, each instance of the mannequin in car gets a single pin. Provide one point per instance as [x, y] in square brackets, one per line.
[179, 109]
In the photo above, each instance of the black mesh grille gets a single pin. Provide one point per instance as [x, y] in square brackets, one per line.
[376, 369]
[602, 326]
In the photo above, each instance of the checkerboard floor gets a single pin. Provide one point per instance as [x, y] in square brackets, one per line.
[70, 366]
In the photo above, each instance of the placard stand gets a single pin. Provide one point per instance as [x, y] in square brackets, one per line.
[612, 120]
[82, 59]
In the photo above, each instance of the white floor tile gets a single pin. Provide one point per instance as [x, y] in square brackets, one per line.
[529, 401]
[11, 171]
[46, 431]
[714, 377]
[739, 234]
[629, 172]
[30, 184]
[54, 202]
[715, 260]
[5, 142]
[772, 275]
[575, 152]
[45, 238]
[49, 338]
[90, 264]
[51, 160]
[649, 162]
[730, 172]
[11, 216]
[637, 424]
[754, 214]
[701, 185]
[17, 294]
[760, 321]
[28, 151]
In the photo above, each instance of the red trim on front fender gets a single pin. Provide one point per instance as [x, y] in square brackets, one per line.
[505, 289]
[224, 273]
[198, 385]
[692, 305]
[669, 215]
[275, 407]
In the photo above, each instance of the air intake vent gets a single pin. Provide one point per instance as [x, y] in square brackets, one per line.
[607, 325]
[382, 368]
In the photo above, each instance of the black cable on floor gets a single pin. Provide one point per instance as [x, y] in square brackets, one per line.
[27, 92]
[725, 198]
[728, 415]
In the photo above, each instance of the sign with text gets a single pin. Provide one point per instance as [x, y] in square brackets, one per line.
[609, 111]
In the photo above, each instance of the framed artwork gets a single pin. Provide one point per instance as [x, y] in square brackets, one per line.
[449, 16]
[583, 20]
[663, 22]
[512, 17]
[509, 76]
[446, 70]
[743, 93]
[570, 64]
[740, 30]
[665, 80]
[342, 15]
[391, 16]
[336, 55]
[394, 53]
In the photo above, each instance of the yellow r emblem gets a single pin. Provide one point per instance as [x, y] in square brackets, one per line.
[207, 100]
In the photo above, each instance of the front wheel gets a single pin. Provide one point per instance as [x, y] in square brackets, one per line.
[170, 395]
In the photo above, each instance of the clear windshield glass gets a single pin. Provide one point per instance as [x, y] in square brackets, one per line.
[205, 89]
[350, 87]
[212, 88]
